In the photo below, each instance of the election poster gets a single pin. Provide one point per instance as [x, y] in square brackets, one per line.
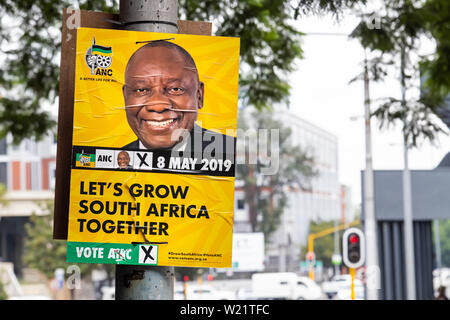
[153, 151]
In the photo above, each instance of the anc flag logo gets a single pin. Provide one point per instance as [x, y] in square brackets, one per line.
[85, 160]
[98, 57]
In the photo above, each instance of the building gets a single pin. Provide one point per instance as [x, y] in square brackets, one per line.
[321, 202]
[27, 172]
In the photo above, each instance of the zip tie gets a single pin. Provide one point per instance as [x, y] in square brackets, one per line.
[149, 242]
[114, 22]
[137, 42]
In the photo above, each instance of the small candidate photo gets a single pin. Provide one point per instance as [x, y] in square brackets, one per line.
[163, 95]
[123, 161]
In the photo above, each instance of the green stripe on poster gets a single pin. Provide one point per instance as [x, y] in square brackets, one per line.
[112, 253]
[101, 50]
[91, 157]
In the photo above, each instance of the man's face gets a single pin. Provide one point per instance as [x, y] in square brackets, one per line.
[157, 80]
[123, 160]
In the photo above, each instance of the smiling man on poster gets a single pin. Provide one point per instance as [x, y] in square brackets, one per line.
[163, 94]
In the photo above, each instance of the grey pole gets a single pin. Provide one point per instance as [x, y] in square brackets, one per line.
[150, 15]
[336, 245]
[408, 228]
[372, 268]
[437, 245]
[145, 282]
[407, 204]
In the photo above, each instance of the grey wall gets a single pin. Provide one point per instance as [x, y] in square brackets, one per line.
[391, 259]
[430, 194]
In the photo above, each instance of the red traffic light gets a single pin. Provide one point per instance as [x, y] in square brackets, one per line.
[353, 248]
[353, 238]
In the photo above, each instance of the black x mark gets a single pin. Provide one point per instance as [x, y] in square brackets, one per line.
[142, 157]
[147, 253]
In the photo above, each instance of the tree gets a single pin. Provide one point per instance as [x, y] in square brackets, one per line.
[41, 251]
[3, 294]
[266, 193]
[394, 41]
[444, 233]
[323, 247]
[270, 44]
[30, 43]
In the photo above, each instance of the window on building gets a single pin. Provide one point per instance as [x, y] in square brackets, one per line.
[52, 175]
[4, 173]
[3, 146]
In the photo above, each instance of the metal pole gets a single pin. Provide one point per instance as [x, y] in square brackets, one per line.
[149, 15]
[407, 204]
[352, 284]
[369, 205]
[336, 245]
[144, 282]
[311, 249]
[408, 228]
[437, 245]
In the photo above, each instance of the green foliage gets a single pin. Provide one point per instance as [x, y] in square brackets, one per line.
[30, 44]
[323, 247]
[270, 44]
[444, 233]
[394, 41]
[437, 67]
[41, 251]
[265, 194]
[3, 295]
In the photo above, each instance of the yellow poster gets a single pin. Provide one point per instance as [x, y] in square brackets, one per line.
[153, 153]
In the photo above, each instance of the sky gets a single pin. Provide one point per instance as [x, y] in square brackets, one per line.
[321, 95]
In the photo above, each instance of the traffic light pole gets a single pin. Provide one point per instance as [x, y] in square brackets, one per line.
[352, 285]
[145, 282]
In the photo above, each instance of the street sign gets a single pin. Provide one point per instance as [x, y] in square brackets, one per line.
[248, 251]
[353, 248]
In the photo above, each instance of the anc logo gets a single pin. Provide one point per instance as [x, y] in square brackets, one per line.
[85, 160]
[99, 59]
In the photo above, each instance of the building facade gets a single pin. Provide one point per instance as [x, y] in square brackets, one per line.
[27, 173]
[325, 200]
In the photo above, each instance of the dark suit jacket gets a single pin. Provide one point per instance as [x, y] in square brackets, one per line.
[205, 141]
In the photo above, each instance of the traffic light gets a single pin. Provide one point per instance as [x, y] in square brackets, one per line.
[353, 248]
[311, 257]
